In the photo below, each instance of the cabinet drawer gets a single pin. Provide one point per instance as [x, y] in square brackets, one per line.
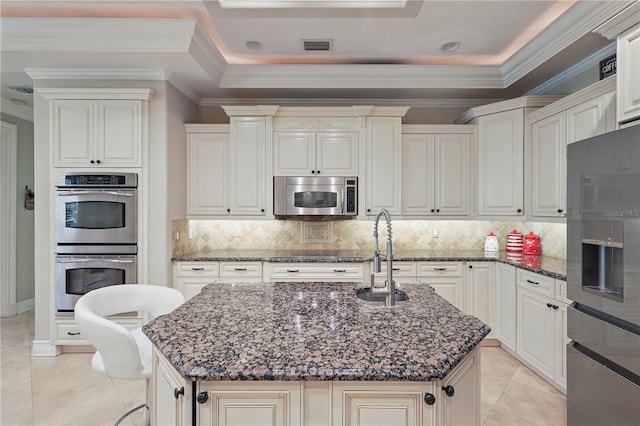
[400, 269]
[67, 332]
[536, 282]
[209, 269]
[431, 269]
[240, 270]
[316, 271]
[561, 291]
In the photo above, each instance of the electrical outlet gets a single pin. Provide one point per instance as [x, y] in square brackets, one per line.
[435, 233]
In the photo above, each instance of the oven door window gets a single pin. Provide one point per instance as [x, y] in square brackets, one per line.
[82, 280]
[95, 215]
[315, 200]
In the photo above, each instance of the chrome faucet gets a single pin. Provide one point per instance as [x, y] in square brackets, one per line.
[389, 289]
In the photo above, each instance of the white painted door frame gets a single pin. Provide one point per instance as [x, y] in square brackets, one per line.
[8, 179]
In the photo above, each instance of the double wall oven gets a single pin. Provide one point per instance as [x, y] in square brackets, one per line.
[96, 234]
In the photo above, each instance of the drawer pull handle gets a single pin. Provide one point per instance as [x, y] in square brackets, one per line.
[439, 269]
[239, 269]
[533, 282]
[395, 269]
[73, 333]
[339, 270]
[197, 269]
[293, 270]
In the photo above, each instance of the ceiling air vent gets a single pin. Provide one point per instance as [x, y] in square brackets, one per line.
[316, 45]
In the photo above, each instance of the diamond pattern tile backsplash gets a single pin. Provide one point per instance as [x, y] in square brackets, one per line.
[355, 235]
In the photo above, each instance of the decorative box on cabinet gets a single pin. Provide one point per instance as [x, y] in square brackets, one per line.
[98, 127]
[435, 170]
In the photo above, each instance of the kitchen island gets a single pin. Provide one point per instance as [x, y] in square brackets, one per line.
[313, 353]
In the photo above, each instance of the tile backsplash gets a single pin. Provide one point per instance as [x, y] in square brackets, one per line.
[199, 235]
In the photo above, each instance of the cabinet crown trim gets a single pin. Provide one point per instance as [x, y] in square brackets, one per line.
[438, 128]
[260, 110]
[207, 128]
[522, 102]
[97, 94]
[621, 22]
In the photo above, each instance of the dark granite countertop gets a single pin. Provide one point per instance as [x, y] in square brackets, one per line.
[549, 266]
[313, 331]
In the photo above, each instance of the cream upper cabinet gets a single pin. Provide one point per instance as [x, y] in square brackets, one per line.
[98, 133]
[549, 166]
[382, 177]
[225, 163]
[207, 169]
[501, 163]
[435, 172]
[589, 118]
[628, 74]
[315, 153]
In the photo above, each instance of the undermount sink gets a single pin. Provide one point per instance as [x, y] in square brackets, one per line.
[366, 295]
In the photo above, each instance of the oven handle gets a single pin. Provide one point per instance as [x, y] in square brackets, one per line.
[70, 193]
[94, 260]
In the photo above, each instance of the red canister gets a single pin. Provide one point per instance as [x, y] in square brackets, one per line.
[531, 244]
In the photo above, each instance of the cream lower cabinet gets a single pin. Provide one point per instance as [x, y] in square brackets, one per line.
[446, 278]
[480, 285]
[191, 277]
[505, 304]
[452, 401]
[541, 325]
[66, 332]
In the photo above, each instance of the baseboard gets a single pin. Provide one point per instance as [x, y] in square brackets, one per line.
[26, 305]
[44, 348]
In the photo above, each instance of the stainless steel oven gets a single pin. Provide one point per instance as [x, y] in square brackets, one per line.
[96, 208]
[79, 273]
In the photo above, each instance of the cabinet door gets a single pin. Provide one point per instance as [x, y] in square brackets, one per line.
[451, 194]
[119, 142]
[255, 404]
[461, 406]
[500, 163]
[449, 288]
[481, 293]
[294, 154]
[549, 166]
[74, 133]
[382, 182]
[561, 342]
[587, 119]
[167, 409]
[536, 324]
[362, 404]
[417, 174]
[505, 329]
[207, 168]
[337, 153]
[628, 69]
[247, 178]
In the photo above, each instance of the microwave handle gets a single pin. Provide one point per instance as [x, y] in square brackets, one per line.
[69, 193]
[344, 198]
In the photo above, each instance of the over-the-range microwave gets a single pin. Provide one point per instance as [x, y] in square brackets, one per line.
[315, 196]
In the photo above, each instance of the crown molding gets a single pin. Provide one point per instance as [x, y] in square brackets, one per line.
[23, 112]
[207, 55]
[414, 103]
[96, 74]
[579, 20]
[438, 128]
[362, 76]
[621, 22]
[259, 110]
[522, 102]
[95, 93]
[573, 71]
[207, 128]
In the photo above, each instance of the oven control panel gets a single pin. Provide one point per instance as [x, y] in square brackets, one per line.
[96, 180]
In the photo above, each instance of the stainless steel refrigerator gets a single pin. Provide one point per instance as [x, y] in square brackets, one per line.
[603, 279]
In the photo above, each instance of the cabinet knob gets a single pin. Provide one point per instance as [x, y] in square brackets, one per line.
[228, 210]
[177, 392]
[560, 210]
[549, 305]
[433, 210]
[92, 162]
[449, 390]
[368, 210]
[437, 210]
[519, 210]
[470, 266]
[555, 307]
[429, 399]
[262, 210]
[202, 397]
[98, 161]
[317, 172]
[313, 172]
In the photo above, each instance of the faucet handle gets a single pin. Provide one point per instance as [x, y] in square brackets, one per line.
[377, 262]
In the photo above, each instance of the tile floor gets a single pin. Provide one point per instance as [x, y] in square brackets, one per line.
[64, 390]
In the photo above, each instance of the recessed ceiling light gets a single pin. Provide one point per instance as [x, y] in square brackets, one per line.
[450, 47]
[255, 45]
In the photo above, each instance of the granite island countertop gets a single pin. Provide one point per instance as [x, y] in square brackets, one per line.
[549, 266]
[313, 331]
